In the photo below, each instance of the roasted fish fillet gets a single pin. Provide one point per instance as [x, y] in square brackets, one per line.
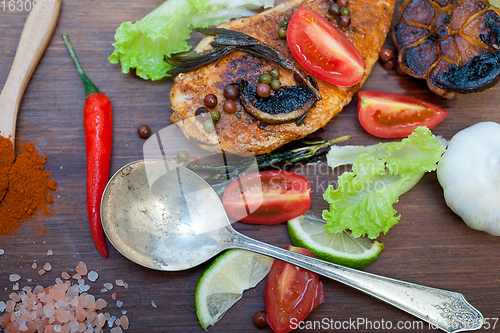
[239, 132]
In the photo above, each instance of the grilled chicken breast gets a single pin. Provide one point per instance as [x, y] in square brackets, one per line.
[239, 132]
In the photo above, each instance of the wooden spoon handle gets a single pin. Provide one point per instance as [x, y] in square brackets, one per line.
[35, 37]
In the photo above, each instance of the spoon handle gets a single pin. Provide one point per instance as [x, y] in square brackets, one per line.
[443, 309]
[36, 35]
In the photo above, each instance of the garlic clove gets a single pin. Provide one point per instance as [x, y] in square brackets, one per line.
[470, 176]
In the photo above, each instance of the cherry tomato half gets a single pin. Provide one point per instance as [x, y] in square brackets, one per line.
[291, 293]
[323, 50]
[267, 197]
[388, 115]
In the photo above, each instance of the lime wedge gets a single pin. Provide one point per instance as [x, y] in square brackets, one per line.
[224, 280]
[307, 231]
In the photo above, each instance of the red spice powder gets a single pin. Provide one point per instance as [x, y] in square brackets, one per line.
[28, 193]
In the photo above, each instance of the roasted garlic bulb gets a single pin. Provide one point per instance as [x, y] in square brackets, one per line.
[453, 44]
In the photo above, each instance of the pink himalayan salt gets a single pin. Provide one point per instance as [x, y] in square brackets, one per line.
[108, 285]
[81, 268]
[77, 276]
[119, 283]
[100, 321]
[113, 296]
[116, 329]
[15, 297]
[65, 275]
[50, 252]
[41, 272]
[34, 265]
[100, 304]
[47, 267]
[63, 316]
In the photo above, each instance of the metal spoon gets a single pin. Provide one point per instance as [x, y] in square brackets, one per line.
[163, 216]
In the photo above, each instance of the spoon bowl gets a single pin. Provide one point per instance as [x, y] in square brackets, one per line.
[164, 216]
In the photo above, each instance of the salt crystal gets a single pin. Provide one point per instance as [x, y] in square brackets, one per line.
[81, 268]
[57, 328]
[93, 276]
[100, 320]
[73, 326]
[97, 329]
[113, 295]
[65, 275]
[41, 272]
[100, 304]
[15, 286]
[34, 265]
[125, 285]
[119, 304]
[103, 290]
[153, 304]
[119, 283]
[29, 280]
[111, 320]
[49, 310]
[2, 251]
[23, 327]
[124, 312]
[118, 322]
[107, 315]
[108, 285]
[49, 253]
[116, 329]
[83, 288]
[15, 297]
[47, 267]
[26, 289]
[2, 306]
[77, 276]
[81, 281]
[59, 281]
[90, 298]
[14, 277]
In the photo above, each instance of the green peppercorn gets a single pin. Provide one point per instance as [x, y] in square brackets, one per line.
[265, 78]
[282, 33]
[275, 73]
[275, 84]
[284, 23]
[215, 115]
[345, 11]
[182, 156]
[208, 125]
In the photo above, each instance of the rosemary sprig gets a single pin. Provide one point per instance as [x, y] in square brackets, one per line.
[301, 151]
[225, 42]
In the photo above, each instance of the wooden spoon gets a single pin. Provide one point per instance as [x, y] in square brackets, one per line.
[36, 34]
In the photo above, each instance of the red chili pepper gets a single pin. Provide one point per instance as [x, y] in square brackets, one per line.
[98, 124]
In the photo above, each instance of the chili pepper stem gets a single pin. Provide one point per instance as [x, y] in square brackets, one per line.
[90, 88]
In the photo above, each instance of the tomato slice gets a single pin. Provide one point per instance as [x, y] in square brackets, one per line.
[267, 197]
[389, 115]
[323, 50]
[291, 293]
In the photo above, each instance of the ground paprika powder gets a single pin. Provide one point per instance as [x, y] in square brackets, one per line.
[29, 188]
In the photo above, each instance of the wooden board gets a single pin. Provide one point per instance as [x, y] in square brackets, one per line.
[429, 246]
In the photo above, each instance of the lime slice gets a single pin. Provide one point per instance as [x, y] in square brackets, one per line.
[307, 231]
[224, 280]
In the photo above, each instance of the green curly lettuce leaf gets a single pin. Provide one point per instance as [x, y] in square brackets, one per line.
[144, 44]
[364, 199]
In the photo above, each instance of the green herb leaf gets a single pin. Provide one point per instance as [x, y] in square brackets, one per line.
[363, 201]
[144, 44]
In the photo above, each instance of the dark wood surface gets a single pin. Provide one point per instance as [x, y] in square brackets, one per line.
[429, 246]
